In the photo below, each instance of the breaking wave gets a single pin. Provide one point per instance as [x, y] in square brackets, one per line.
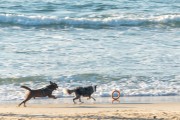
[128, 85]
[96, 22]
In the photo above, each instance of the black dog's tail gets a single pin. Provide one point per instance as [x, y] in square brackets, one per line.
[69, 91]
[26, 88]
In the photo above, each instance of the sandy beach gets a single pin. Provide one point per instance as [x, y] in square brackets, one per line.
[66, 111]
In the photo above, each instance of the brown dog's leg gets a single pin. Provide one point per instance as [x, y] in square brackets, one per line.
[28, 98]
[21, 103]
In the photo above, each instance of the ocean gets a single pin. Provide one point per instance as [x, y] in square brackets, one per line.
[129, 45]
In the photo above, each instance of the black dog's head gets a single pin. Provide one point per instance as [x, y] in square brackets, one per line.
[53, 86]
[94, 88]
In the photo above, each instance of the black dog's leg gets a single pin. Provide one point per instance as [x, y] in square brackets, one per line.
[77, 97]
[80, 100]
[91, 97]
[51, 96]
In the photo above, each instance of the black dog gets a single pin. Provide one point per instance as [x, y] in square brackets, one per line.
[43, 92]
[83, 91]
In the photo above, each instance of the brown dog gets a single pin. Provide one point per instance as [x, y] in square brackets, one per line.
[43, 92]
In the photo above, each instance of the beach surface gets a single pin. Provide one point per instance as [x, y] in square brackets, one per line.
[87, 110]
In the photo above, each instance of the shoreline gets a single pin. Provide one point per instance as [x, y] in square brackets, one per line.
[92, 110]
[101, 100]
[167, 111]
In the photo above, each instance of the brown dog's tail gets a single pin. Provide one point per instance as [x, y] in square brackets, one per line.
[26, 88]
[69, 91]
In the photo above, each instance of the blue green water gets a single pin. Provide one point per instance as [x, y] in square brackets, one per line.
[131, 45]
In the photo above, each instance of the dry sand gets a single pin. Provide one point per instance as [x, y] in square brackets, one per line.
[125, 111]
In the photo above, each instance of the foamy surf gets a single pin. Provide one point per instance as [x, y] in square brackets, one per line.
[128, 85]
[23, 20]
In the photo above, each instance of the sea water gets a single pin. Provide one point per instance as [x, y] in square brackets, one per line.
[129, 45]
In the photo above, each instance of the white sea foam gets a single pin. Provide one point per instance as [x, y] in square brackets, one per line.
[132, 86]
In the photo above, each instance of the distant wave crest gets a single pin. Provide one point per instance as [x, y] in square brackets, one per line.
[22, 20]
